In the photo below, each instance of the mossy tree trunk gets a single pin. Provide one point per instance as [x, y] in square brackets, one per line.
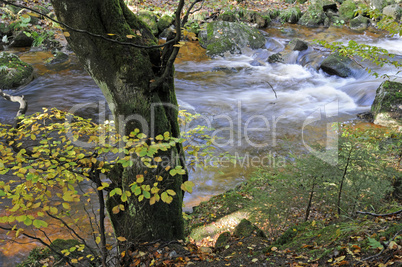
[125, 75]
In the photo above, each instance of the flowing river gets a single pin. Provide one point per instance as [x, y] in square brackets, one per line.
[262, 112]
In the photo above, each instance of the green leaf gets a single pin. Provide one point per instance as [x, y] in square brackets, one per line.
[187, 186]
[147, 195]
[374, 243]
[39, 223]
[166, 198]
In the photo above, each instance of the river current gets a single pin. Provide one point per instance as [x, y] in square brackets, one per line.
[259, 110]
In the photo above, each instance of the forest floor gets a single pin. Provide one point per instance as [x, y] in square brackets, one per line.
[324, 240]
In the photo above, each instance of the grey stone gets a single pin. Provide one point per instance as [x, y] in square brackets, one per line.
[223, 36]
[387, 105]
[297, 45]
[393, 11]
[341, 66]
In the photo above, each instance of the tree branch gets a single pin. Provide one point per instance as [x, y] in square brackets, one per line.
[42, 242]
[380, 215]
[17, 99]
[87, 32]
[185, 18]
[174, 51]
[72, 231]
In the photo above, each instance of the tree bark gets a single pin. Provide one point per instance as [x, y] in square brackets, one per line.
[125, 75]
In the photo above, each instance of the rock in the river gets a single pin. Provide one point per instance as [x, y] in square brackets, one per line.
[341, 66]
[359, 23]
[223, 36]
[297, 45]
[387, 105]
[14, 72]
[393, 11]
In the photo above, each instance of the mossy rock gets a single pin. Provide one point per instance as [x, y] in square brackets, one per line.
[347, 10]
[149, 19]
[261, 20]
[222, 36]
[387, 105]
[14, 72]
[245, 228]
[222, 240]
[341, 66]
[359, 23]
[290, 15]
[164, 22]
[290, 233]
[229, 16]
[313, 17]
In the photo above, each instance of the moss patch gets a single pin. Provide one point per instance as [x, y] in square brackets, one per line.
[14, 72]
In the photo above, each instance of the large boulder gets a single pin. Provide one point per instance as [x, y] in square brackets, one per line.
[223, 36]
[393, 11]
[341, 66]
[387, 105]
[314, 16]
[14, 72]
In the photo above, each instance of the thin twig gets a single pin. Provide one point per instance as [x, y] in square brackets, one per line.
[386, 245]
[40, 241]
[185, 18]
[379, 215]
[72, 231]
[272, 89]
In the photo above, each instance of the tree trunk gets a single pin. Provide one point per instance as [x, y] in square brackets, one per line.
[125, 74]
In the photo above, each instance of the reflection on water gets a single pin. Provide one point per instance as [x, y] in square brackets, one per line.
[259, 110]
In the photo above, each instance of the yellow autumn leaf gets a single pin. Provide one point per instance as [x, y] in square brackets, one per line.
[66, 34]
[121, 238]
[115, 210]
